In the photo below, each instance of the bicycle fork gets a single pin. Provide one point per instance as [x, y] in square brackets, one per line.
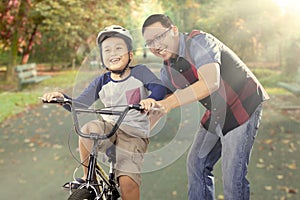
[113, 192]
[91, 173]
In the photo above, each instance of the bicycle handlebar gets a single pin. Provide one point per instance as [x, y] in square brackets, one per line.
[94, 136]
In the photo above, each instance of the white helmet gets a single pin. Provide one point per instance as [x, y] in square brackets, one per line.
[115, 31]
[111, 30]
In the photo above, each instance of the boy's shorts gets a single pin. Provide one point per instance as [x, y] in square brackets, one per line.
[129, 150]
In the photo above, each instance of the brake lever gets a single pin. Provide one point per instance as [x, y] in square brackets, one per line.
[137, 107]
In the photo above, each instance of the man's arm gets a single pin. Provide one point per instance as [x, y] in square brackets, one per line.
[209, 80]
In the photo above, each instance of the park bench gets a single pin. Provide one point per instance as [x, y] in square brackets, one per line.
[27, 74]
[293, 87]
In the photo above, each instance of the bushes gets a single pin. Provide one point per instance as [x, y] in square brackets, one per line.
[268, 77]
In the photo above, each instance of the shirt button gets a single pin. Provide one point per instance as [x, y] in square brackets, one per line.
[186, 85]
[216, 122]
[180, 70]
[214, 109]
[205, 104]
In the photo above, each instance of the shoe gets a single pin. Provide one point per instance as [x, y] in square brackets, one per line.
[73, 185]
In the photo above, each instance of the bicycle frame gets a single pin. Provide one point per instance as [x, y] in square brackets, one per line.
[91, 181]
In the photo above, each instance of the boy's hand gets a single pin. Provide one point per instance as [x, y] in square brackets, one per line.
[51, 95]
[147, 104]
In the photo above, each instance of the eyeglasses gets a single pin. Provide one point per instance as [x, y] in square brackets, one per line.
[158, 38]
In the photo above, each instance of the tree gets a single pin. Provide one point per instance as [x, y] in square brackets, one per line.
[254, 29]
[184, 13]
[57, 27]
[70, 25]
[14, 30]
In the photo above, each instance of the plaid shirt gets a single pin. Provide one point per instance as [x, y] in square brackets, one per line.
[239, 93]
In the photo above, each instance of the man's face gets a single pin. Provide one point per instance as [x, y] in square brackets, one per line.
[160, 42]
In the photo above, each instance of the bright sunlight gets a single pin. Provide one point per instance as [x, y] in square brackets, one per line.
[289, 6]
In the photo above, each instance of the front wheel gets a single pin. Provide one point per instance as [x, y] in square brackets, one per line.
[82, 194]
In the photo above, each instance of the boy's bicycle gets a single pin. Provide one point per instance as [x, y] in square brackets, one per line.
[99, 185]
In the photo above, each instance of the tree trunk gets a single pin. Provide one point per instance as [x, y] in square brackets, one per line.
[27, 51]
[9, 76]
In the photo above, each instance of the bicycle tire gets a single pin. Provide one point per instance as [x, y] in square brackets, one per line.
[82, 194]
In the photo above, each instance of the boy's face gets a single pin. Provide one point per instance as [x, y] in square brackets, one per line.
[115, 53]
[160, 41]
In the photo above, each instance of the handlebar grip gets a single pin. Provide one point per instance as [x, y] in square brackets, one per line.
[56, 100]
[137, 107]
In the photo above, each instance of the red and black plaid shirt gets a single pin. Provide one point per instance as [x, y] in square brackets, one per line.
[239, 93]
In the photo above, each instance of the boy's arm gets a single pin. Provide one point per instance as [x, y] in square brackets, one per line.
[158, 92]
[152, 83]
[86, 99]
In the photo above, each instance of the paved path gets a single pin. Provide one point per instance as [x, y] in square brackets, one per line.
[34, 155]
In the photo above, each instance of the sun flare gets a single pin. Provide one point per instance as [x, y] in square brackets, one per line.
[288, 5]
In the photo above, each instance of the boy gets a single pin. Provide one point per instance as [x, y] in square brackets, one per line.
[121, 85]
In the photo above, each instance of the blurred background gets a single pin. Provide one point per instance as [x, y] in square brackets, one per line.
[59, 36]
[264, 33]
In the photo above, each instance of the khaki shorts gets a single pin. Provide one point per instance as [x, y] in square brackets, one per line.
[129, 150]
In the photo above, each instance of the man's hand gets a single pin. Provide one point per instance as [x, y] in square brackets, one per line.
[163, 106]
[155, 113]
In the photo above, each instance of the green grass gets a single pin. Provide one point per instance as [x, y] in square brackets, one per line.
[268, 77]
[64, 79]
[12, 103]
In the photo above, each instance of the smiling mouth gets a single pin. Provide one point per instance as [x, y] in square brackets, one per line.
[161, 51]
[114, 60]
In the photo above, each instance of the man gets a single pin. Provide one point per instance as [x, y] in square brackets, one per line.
[203, 66]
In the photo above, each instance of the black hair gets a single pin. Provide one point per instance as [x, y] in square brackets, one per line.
[163, 19]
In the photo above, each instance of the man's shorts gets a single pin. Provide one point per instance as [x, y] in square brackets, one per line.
[129, 149]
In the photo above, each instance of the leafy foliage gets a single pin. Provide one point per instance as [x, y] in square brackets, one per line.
[71, 25]
[256, 30]
[61, 31]
[55, 30]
